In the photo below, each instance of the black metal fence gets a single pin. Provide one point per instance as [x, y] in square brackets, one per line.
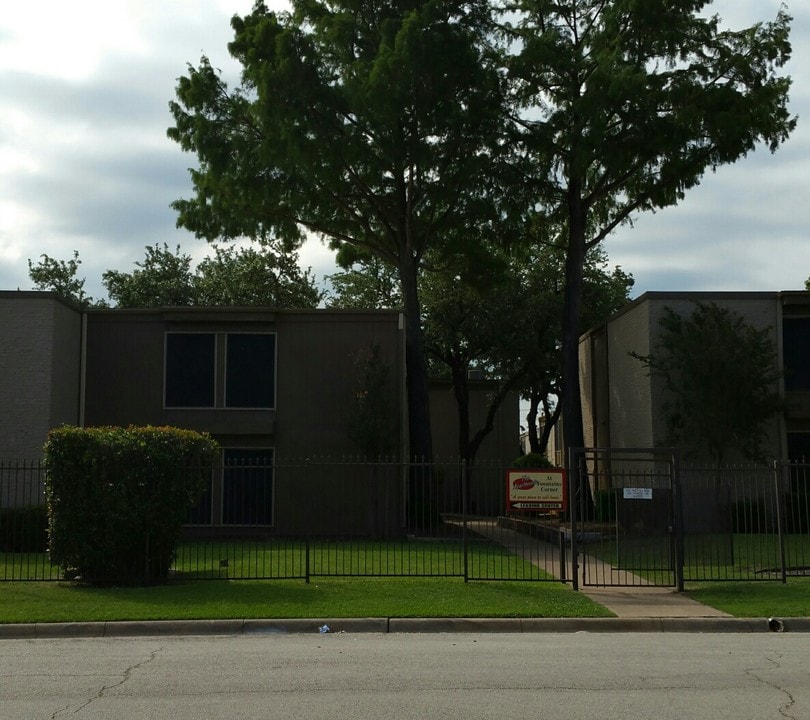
[264, 517]
[267, 518]
[641, 520]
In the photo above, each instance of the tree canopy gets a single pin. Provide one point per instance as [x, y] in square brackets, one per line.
[403, 129]
[61, 277]
[621, 106]
[720, 374]
[236, 277]
[371, 125]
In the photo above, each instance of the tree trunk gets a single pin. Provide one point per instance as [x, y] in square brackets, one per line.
[458, 370]
[573, 435]
[420, 440]
[531, 424]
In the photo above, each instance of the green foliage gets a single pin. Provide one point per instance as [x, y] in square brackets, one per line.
[506, 319]
[23, 529]
[163, 279]
[254, 276]
[373, 419]
[533, 460]
[367, 283]
[244, 277]
[118, 496]
[720, 375]
[621, 107]
[61, 277]
[372, 125]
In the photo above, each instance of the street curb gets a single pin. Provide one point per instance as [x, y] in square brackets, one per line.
[30, 631]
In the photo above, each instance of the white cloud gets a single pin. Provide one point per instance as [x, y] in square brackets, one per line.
[85, 163]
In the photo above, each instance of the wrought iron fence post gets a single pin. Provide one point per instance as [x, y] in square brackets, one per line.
[779, 470]
[677, 509]
[573, 499]
[307, 471]
[464, 517]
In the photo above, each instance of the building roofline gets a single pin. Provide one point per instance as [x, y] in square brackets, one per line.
[700, 296]
[39, 295]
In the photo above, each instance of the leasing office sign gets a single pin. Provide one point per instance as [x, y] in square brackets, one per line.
[536, 489]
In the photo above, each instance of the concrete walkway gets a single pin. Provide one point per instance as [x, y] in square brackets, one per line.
[629, 596]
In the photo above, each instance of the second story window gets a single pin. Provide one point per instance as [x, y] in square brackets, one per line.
[216, 370]
[190, 370]
[250, 370]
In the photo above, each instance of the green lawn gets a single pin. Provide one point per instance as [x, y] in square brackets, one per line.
[755, 599]
[283, 559]
[706, 557]
[330, 595]
[324, 597]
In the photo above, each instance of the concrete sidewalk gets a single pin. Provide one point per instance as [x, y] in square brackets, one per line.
[650, 602]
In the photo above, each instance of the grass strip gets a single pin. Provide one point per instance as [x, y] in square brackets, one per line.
[324, 597]
[755, 599]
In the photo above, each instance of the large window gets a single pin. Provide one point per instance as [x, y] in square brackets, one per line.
[796, 349]
[250, 377]
[190, 370]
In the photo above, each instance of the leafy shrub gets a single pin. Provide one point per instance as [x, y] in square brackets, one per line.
[24, 529]
[533, 460]
[117, 498]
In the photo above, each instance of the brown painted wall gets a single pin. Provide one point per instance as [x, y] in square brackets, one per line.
[316, 354]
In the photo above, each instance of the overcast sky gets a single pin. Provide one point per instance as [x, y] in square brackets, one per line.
[85, 163]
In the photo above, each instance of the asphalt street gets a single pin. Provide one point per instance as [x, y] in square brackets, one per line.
[421, 676]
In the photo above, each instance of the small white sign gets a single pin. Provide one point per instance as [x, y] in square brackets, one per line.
[637, 493]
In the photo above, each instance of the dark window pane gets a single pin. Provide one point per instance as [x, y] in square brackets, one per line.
[798, 447]
[247, 488]
[251, 371]
[190, 359]
[796, 348]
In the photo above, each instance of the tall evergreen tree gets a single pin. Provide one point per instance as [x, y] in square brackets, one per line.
[370, 124]
[620, 107]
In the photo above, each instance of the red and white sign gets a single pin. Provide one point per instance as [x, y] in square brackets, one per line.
[536, 489]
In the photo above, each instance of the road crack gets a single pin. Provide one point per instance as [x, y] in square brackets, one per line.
[125, 676]
[785, 708]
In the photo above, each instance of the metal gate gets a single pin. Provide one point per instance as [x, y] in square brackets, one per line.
[624, 524]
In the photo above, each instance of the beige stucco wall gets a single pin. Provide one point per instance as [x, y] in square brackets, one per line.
[760, 310]
[636, 416]
[40, 349]
[629, 388]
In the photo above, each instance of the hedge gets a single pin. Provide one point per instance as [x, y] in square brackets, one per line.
[117, 498]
